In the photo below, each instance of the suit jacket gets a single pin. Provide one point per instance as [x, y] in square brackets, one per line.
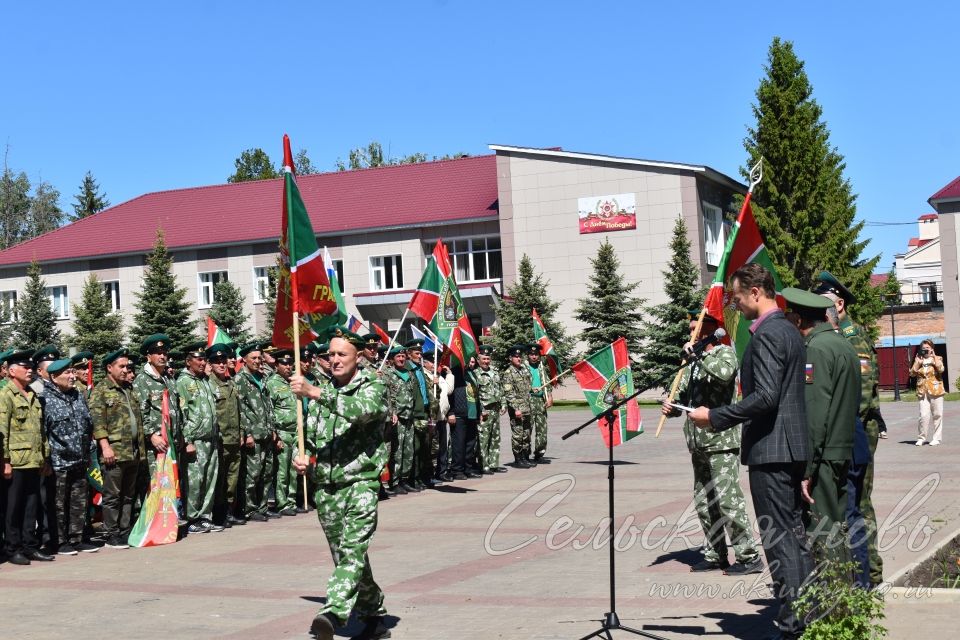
[773, 410]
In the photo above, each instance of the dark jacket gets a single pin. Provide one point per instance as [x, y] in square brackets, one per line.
[68, 426]
[773, 409]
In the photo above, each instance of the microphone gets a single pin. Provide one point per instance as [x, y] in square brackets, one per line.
[696, 350]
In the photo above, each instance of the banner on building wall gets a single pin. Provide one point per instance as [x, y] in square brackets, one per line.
[607, 213]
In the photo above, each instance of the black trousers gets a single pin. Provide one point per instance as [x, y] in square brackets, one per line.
[442, 466]
[464, 437]
[23, 501]
[47, 513]
[776, 500]
[71, 503]
[119, 493]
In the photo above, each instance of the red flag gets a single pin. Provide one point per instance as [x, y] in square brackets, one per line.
[384, 336]
[546, 346]
[89, 375]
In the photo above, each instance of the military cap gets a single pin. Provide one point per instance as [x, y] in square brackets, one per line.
[313, 348]
[414, 345]
[534, 349]
[4, 355]
[220, 350]
[798, 299]
[267, 347]
[396, 350]
[57, 366]
[156, 341]
[485, 350]
[381, 349]
[516, 350]
[248, 348]
[196, 349]
[323, 350]
[370, 339]
[693, 314]
[46, 353]
[22, 357]
[111, 357]
[283, 356]
[81, 358]
[827, 283]
[306, 353]
[345, 334]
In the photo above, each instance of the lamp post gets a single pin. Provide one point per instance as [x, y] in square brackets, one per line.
[894, 298]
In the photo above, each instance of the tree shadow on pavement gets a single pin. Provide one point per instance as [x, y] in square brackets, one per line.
[683, 556]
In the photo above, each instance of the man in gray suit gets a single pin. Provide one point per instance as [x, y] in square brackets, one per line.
[775, 444]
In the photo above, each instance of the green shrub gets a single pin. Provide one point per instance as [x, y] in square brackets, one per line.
[835, 609]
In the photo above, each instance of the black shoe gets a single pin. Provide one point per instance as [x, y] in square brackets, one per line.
[40, 556]
[197, 527]
[459, 476]
[709, 565]
[411, 488]
[446, 477]
[273, 514]
[118, 542]
[530, 462]
[436, 482]
[744, 568]
[86, 547]
[488, 472]
[209, 526]
[234, 520]
[400, 490]
[473, 474]
[288, 511]
[324, 626]
[500, 470]
[19, 558]
[373, 629]
[520, 463]
[256, 516]
[67, 550]
[301, 510]
[387, 489]
[542, 460]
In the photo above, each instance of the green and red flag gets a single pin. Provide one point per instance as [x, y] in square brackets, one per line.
[745, 245]
[437, 302]
[384, 336]
[335, 287]
[547, 350]
[216, 335]
[303, 285]
[159, 515]
[606, 379]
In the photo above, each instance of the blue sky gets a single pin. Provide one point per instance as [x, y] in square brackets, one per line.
[152, 96]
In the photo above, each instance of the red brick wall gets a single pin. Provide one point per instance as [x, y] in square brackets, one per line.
[909, 321]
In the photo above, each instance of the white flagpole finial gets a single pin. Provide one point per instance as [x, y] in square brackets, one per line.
[756, 174]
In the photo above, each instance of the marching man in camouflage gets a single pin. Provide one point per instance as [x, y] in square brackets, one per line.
[399, 385]
[227, 499]
[350, 456]
[491, 402]
[712, 382]
[149, 385]
[516, 393]
[424, 404]
[199, 409]
[541, 399]
[283, 404]
[256, 419]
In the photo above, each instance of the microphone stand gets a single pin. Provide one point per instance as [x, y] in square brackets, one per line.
[611, 621]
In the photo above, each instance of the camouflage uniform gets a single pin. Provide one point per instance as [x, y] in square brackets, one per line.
[400, 387]
[717, 495]
[284, 406]
[516, 393]
[149, 388]
[199, 408]
[491, 399]
[538, 409]
[256, 419]
[870, 416]
[345, 423]
[24, 444]
[115, 411]
[231, 437]
[422, 408]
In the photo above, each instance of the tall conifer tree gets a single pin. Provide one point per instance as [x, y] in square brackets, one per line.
[36, 323]
[227, 311]
[161, 304]
[96, 327]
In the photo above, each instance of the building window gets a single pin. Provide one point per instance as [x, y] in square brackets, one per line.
[9, 301]
[207, 282]
[59, 302]
[928, 293]
[712, 234]
[111, 289]
[474, 259]
[386, 272]
[261, 284]
[338, 269]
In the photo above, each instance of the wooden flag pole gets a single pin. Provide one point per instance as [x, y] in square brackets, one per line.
[552, 380]
[393, 339]
[676, 379]
[296, 368]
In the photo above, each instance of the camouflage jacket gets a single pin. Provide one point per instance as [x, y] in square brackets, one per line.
[149, 387]
[283, 404]
[349, 440]
[491, 389]
[516, 388]
[21, 426]
[67, 425]
[714, 385]
[869, 372]
[198, 407]
[112, 408]
[256, 416]
[400, 387]
[228, 410]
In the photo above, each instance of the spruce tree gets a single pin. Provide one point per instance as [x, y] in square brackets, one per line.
[609, 311]
[227, 311]
[161, 304]
[89, 201]
[666, 328]
[96, 327]
[804, 206]
[6, 326]
[36, 323]
[515, 317]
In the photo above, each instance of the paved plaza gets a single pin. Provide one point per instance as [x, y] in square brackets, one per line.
[515, 555]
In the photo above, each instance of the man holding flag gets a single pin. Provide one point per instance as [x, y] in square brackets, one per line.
[541, 399]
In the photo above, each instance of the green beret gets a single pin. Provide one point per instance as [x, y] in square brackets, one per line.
[113, 355]
[156, 341]
[346, 334]
[804, 299]
[248, 348]
[415, 344]
[827, 283]
[485, 350]
[396, 350]
[57, 366]
[46, 353]
[516, 350]
[219, 350]
[81, 358]
[196, 349]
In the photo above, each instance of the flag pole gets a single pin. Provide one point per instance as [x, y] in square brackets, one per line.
[553, 379]
[393, 338]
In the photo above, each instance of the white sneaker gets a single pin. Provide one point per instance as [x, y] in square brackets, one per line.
[934, 443]
[919, 442]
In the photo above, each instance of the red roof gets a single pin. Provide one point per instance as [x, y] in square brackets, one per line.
[878, 279]
[913, 242]
[928, 216]
[339, 202]
[950, 191]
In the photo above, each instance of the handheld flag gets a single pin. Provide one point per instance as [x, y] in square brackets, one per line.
[546, 345]
[335, 287]
[215, 335]
[606, 379]
[89, 376]
[157, 523]
[437, 302]
[354, 323]
[429, 344]
[384, 336]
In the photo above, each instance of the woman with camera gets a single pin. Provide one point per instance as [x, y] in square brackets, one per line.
[927, 368]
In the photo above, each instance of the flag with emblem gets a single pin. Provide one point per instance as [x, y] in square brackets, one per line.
[158, 521]
[606, 379]
[546, 346]
[304, 285]
[437, 302]
[216, 335]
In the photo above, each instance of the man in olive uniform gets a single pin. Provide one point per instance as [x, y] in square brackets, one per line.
[516, 393]
[226, 501]
[26, 459]
[369, 356]
[400, 389]
[81, 362]
[350, 457]
[869, 414]
[491, 401]
[119, 433]
[541, 399]
[256, 419]
[421, 467]
[711, 382]
[150, 384]
[832, 394]
[283, 404]
[199, 409]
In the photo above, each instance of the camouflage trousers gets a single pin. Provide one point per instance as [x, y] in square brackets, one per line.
[488, 446]
[520, 435]
[826, 518]
[538, 425]
[718, 499]
[286, 475]
[201, 479]
[866, 505]
[348, 515]
[403, 456]
[71, 503]
[258, 461]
